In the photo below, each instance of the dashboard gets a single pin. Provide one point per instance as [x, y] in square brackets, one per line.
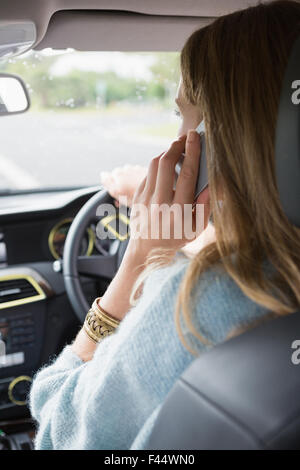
[33, 227]
[36, 318]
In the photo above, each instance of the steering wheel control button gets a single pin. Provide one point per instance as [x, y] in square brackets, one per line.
[57, 266]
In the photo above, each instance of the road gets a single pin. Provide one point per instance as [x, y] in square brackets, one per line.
[71, 148]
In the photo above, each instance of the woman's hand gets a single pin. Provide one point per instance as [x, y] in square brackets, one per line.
[155, 189]
[122, 182]
[162, 217]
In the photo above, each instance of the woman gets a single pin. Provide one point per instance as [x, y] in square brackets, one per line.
[107, 395]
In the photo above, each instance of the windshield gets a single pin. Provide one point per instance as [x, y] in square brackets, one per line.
[90, 112]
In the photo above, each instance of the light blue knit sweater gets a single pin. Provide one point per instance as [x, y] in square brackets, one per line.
[112, 401]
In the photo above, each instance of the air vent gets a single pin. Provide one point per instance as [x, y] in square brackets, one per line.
[18, 290]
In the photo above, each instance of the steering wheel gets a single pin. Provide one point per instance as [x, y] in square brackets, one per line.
[93, 266]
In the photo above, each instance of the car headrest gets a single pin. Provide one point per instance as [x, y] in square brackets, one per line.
[287, 144]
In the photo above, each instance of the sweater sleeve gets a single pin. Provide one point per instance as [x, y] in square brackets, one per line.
[63, 365]
[106, 402]
[103, 403]
[44, 392]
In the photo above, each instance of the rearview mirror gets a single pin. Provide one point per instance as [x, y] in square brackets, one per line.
[14, 98]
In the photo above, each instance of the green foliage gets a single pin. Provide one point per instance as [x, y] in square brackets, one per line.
[166, 67]
[78, 88]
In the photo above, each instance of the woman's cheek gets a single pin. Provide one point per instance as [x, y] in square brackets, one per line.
[187, 124]
[180, 130]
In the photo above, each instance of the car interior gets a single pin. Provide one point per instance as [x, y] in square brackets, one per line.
[244, 393]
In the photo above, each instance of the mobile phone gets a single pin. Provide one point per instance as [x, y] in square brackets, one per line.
[202, 179]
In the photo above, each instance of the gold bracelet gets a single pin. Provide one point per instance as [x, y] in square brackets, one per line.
[98, 324]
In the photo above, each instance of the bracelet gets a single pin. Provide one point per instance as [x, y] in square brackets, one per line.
[98, 324]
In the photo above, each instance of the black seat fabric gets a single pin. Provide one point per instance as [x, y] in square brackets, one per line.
[243, 394]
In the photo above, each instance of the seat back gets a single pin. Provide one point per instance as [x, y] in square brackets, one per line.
[287, 145]
[243, 394]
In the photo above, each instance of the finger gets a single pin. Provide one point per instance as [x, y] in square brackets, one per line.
[203, 197]
[141, 186]
[166, 170]
[186, 183]
[204, 200]
[151, 176]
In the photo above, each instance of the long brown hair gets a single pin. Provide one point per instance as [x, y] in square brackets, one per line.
[232, 70]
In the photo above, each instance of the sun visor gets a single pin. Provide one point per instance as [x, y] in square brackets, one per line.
[118, 31]
[16, 38]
